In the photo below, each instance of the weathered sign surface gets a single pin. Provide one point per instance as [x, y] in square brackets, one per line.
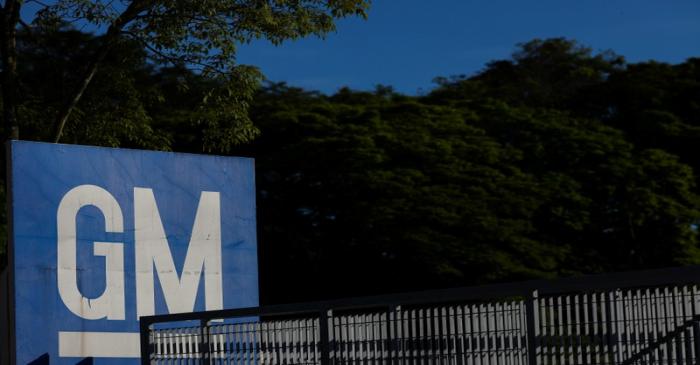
[102, 236]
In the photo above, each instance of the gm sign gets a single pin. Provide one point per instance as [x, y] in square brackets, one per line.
[101, 237]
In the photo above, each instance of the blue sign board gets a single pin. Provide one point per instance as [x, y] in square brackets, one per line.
[102, 236]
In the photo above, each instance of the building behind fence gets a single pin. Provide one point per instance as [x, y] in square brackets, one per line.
[649, 317]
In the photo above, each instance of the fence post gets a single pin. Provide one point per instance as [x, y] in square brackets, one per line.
[325, 338]
[696, 339]
[204, 345]
[390, 330]
[532, 314]
[145, 333]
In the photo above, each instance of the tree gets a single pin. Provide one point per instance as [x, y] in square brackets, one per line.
[656, 105]
[372, 192]
[488, 178]
[200, 34]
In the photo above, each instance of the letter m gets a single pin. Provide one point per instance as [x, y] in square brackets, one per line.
[152, 249]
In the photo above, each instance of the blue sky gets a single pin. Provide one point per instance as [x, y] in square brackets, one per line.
[406, 43]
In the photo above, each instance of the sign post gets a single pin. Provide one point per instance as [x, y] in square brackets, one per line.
[101, 236]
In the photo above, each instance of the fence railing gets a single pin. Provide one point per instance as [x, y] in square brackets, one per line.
[650, 317]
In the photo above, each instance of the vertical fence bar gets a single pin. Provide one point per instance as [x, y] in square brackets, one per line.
[650, 331]
[500, 333]
[532, 314]
[670, 323]
[469, 335]
[611, 327]
[204, 345]
[521, 321]
[489, 333]
[547, 335]
[602, 325]
[595, 343]
[324, 337]
[338, 346]
[658, 323]
[570, 341]
[509, 328]
[144, 340]
[414, 335]
[353, 341]
[390, 331]
[560, 343]
[696, 341]
[460, 334]
[482, 342]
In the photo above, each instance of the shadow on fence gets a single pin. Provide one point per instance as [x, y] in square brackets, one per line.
[650, 317]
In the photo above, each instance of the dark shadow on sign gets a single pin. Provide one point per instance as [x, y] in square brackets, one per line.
[41, 360]
[44, 360]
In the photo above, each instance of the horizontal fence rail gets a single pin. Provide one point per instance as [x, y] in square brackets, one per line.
[639, 318]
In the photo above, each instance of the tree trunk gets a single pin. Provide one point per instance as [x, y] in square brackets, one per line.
[9, 16]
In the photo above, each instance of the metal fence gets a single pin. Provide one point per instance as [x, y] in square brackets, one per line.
[650, 317]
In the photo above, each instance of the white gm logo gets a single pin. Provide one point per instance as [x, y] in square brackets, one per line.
[151, 250]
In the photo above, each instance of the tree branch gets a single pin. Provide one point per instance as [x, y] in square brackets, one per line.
[113, 32]
[175, 61]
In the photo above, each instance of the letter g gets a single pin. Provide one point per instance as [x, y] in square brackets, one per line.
[111, 303]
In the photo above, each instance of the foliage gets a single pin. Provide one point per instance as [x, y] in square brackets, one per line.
[386, 193]
[205, 33]
[200, 35]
